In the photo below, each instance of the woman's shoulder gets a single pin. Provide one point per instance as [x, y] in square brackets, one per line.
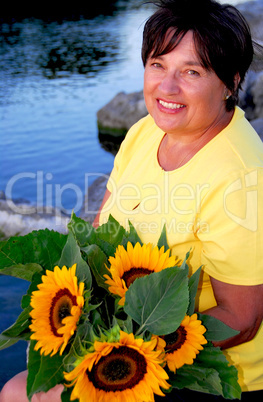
[144, 128]
[140, 135]
[234, 154]
[138, 141]
[243, 142]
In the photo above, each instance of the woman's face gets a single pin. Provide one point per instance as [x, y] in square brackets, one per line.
[183, 97]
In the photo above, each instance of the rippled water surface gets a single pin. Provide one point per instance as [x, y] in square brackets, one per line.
[55, 76]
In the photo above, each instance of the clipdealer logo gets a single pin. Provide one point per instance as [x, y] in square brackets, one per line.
[248, 191]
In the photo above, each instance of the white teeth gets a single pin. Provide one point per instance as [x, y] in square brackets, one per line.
[170, 105]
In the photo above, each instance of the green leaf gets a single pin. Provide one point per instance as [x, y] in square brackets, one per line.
[71, 255]
[66, 394]
[210, 373]
[44, 372]
[196, 378]
[163, 240]
[84, 338]
[122, 320]
[214, 358]
[111, 232]
[131, 236]
[34, 360]
[83, 231]
[41, 247]
[5, 341]
[107, 236]
[19, 329]
[22, 271]
[36, 280]
[158, 302]
[96, 260]
[193, 287]
[184, 264]
[216, 329]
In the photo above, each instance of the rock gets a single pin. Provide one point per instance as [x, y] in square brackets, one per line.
[253, 12]
[93, 198]
[258, 126]
[257, 94]
[22, 218]
[246, 101]
[18, 218]
[117, 116]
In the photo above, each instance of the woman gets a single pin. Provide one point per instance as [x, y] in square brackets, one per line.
[195, 164]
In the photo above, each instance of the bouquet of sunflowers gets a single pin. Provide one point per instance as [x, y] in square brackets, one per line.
[111, 318]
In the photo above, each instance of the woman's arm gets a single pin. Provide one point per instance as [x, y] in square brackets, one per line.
[105, 199]
[15, 391]
[240, 307]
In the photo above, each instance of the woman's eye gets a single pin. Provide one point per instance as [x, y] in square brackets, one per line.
[157, 65]
[193, 72]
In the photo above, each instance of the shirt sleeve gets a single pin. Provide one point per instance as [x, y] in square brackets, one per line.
[126, 151]
[116, 166]
[232, 246]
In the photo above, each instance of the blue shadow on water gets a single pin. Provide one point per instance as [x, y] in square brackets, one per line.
[12, 359]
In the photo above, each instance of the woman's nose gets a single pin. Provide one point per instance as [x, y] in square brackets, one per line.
[170, 84]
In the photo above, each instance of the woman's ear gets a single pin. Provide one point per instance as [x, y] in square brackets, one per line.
[237, 80]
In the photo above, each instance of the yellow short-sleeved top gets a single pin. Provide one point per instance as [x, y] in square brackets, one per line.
[212, 205]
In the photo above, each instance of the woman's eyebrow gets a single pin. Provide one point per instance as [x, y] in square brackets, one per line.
[193, 63]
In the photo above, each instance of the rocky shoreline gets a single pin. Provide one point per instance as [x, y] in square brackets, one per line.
[114, 119]
[19, 217]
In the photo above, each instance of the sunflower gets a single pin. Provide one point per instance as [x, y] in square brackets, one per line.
[57, 306]
[184, 344]
[126, 370]
[135, 262]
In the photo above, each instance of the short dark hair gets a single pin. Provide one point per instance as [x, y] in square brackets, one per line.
[221, 34]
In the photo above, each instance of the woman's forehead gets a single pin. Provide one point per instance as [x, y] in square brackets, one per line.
[173, 39]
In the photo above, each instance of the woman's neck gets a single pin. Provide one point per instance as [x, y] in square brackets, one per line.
[176, 150]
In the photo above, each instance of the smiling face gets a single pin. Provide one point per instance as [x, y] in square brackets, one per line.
[182, 96]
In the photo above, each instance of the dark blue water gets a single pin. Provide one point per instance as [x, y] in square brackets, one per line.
[13, 359]
[55, 76]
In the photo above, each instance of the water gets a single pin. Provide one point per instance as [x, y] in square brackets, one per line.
[55, 76]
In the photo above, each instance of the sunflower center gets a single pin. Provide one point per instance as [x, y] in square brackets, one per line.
[134, 273]
[121, 369]
[60, 308]
[175, 340]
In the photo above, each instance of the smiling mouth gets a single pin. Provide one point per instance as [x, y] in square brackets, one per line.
[170, 105]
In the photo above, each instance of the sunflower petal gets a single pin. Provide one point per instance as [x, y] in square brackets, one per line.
[140, 385]
[144, 257]
[57, 297]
